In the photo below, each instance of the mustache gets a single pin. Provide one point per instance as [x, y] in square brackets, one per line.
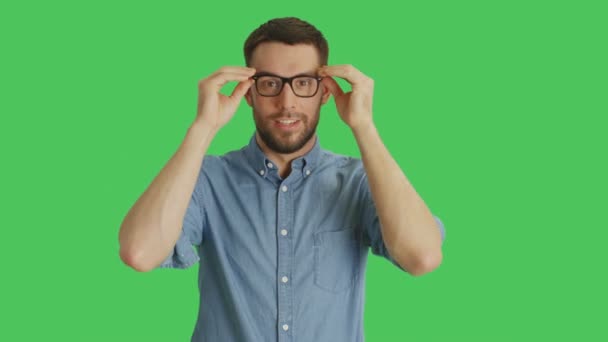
[287, 115]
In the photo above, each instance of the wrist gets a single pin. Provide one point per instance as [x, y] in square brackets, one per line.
[203, 127]
[363, 129]
[200, 133]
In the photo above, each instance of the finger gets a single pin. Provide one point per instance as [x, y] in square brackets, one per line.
[220, 79]
[240, 90]
[235, 69]
[230, 73]
[333, 86]
[346, 71]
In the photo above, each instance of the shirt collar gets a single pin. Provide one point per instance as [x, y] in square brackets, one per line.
[259, 161]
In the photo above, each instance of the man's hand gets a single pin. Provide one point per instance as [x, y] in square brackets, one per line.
[354, 107]
[216, 109]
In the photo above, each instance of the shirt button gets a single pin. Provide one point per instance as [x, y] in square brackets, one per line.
[285, 327]
[262, 172]
[284, 232]
[284, 279]
[284, 188]
[269, 165]
[308, 172]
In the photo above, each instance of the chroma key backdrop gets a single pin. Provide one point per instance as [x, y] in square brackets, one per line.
[494, 110]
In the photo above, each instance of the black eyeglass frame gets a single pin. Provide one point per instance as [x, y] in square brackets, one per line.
[286, 80]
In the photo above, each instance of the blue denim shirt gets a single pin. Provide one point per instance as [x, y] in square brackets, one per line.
[280, 259]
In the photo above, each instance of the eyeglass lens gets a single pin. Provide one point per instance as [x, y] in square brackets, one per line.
[302, 86]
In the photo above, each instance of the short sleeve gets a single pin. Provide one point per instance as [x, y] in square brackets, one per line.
[371, 225]
[183, 254]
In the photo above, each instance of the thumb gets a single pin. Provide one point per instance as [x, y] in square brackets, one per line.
[240, 90]
[333, 86]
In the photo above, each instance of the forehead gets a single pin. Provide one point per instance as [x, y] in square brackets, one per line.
[285, 60]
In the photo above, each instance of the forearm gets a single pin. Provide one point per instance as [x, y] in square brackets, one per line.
[409, 230]
[152, 226]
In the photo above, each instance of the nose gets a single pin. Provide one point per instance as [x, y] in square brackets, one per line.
[287, 98]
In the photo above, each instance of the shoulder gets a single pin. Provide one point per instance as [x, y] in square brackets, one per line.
[220, 163]
[343, 170]
[341, 163]
[229, 169]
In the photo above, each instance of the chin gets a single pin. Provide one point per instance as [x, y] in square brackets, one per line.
[286, 144]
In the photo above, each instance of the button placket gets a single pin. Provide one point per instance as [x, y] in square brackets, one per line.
[285, 262]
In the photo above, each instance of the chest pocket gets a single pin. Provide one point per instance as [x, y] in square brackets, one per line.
[336, 258]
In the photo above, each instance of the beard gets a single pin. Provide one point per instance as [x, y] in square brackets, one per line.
[286, 142]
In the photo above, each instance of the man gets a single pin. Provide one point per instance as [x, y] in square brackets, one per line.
[282, 227]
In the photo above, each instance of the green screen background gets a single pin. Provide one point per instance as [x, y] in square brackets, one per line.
[495, 110]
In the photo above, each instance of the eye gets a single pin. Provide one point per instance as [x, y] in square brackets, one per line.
[269, 83]
[303, 82]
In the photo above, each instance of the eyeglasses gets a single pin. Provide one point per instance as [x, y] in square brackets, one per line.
[301, 85]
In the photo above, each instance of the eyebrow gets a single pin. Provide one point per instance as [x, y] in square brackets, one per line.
[266, 73]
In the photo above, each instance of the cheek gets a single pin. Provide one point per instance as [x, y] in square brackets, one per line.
[261, 104]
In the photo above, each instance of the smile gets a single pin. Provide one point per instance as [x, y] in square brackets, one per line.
[287, 124]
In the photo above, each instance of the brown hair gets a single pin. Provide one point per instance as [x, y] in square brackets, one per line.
[289, 30]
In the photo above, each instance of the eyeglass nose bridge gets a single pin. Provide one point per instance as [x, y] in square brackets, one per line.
[288, 80]
[284, 81]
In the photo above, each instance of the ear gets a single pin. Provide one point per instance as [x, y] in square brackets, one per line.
[326, 94]
[248, 97]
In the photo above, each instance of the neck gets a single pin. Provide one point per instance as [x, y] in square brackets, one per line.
[283, 160]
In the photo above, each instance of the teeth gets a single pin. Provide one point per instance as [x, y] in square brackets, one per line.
[287, 122]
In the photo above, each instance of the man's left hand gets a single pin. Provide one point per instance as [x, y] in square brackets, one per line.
[354, 107]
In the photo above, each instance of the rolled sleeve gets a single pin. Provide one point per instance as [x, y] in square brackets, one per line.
[441, 227]
[373, 233]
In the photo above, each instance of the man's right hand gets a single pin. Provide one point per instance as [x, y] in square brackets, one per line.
[215, 109]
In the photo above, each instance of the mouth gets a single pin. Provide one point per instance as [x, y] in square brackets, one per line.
[287, 124]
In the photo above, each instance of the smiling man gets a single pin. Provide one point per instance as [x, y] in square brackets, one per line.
[282, 227]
